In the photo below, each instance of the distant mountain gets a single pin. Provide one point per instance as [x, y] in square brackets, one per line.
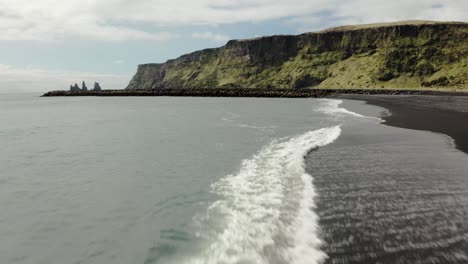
[409, 54]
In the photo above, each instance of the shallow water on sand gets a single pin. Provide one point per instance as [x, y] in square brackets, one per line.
[223, 180]
[390, 195]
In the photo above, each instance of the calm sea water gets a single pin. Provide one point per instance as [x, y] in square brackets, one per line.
[224, 180]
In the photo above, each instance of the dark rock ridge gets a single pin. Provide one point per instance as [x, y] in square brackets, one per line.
[75, 88]
[246, 92]
[411, 54]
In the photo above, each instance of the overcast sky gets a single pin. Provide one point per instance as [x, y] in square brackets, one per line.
[49, 44]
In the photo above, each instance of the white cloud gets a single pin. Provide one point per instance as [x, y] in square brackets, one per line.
[210, 36]
[13, 79]
[122, 19]
[48, 20]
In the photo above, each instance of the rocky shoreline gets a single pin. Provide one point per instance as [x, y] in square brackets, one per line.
[272, 93]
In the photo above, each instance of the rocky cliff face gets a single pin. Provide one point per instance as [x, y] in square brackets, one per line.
[399, 55]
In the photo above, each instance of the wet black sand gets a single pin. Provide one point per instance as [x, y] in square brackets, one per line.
[391, 195]
[441, 114]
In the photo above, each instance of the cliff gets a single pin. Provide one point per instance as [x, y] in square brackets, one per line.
[411, 54]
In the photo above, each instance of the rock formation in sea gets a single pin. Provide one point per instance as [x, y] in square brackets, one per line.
[75, 87]
[410, 54]
[97, 87]
[83, 87]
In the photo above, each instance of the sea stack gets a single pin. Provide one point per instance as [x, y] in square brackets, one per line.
[97, 87]
[74, 88]
[84, 88]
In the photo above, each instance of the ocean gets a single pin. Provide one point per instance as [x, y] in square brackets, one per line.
[224, 180]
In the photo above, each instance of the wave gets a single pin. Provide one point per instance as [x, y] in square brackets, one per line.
[332, 107]
[265, 214]
[233, 119]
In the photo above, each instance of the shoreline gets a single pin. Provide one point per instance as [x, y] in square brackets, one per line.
[446, 115]
[254, 92]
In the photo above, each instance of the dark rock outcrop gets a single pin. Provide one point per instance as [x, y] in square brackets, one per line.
[83, 87]
[75, 88]
[97, 87]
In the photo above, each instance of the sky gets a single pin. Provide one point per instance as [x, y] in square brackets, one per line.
[50, 44]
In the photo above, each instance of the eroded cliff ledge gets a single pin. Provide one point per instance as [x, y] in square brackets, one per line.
[411, 54]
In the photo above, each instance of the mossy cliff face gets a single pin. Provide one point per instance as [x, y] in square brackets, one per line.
[404, 55]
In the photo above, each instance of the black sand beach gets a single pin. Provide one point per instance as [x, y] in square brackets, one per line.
[393, 195]
[441, 114]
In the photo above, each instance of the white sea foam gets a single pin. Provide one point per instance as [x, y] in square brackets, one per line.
[332, 107]
[233, 119]
[266, 212]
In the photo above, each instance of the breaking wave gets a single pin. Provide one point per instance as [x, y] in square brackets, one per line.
[332, 107]
[266, 211]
